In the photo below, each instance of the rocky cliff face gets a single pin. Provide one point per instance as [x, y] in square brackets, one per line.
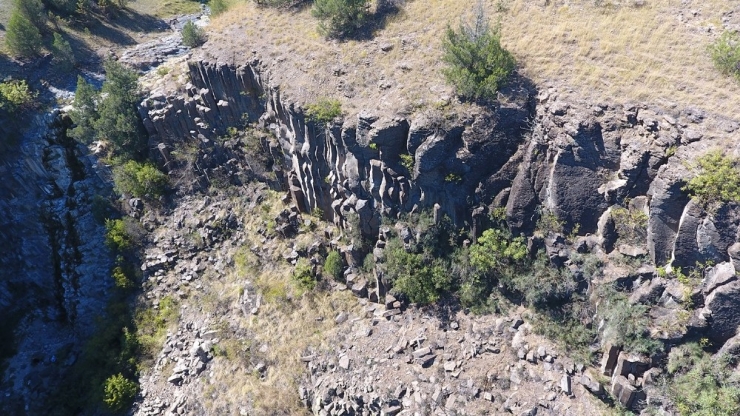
[532, 153]
[458, 162]
[55, 267]
[611, 176]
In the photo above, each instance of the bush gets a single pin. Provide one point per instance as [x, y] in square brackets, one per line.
[193, 35]
[22, 37]
[545, 284]
[15, 95]
[152, 324]
[63, 55]
[218, 6]
[140, 180]
[340, 18]
[725, 53]
[702, 385]
[123, 234]
[626, 324]
[422, 279]
[303, 274]
[718, 180]
[333, 265]
[324, 110]
[477, 63]
[119, 392]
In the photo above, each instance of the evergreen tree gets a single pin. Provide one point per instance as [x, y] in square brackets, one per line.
[63, 55]
[84, 114]
[33, 10]
[118, 121]
[477, 63]
[22, 37]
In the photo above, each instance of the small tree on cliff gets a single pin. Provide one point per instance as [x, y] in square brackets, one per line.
[477, 63]
[118, 122]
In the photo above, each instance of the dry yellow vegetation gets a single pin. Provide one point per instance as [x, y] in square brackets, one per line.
[291, 322]
[652, 51]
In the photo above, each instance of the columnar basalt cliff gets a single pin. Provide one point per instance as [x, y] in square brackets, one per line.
[610, 178]
[356, 166]
[531, 153]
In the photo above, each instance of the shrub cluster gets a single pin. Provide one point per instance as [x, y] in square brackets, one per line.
[725, 52]
[15, 95]
[324, 110]
[193, 35]
[340, 18]
[718, 180]
[142, 180]
[333, 265]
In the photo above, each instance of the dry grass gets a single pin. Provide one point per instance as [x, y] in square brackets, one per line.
[655, 53]
[290, 322]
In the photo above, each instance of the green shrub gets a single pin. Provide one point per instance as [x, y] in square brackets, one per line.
[625, 324]
[22, 38]
[15, 96]
[63, 55]
[718, 179]
[702, 385]
[407, 161]
[340, 18]
[193, 35]
[142, 180]
[333, 265]
[218, 6]
[303, 274]
[477, 64]
[119, 392]
[121, 279]
[324, 110]
[422, 279]
[725, 53]
[123, 234]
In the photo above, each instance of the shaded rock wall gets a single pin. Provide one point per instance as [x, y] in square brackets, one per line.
[54, 265]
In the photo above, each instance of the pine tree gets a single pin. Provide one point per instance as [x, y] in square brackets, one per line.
[118, 120]
[84, 113]
[22, 37]
[63, 55]
[33, 10]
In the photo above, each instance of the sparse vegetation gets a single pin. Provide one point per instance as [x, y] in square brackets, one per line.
[477, 63]
[702, 385]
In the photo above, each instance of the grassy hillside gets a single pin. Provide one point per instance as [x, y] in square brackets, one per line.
[649, 51]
